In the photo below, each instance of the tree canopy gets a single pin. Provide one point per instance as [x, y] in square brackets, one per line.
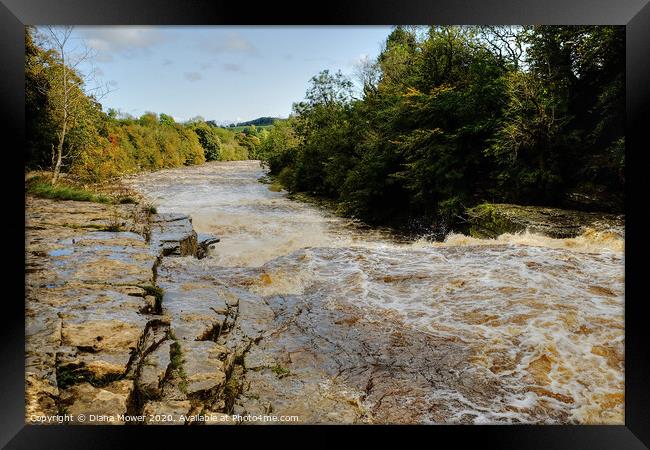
[99, 145]
[452, 116]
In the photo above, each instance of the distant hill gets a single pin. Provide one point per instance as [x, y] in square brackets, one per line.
[259, 122]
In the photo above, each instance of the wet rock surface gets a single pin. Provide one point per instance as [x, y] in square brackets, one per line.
[170, 412]
[83, 301]
[206, 242]
[87, 400]
[96, 341]
[333, 363]
[173, 234]
[154, 370]
[490, 220]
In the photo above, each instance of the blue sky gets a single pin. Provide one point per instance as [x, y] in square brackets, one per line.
[220, 73]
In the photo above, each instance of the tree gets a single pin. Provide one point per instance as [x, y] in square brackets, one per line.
[38, 124]
[277, 148]
[195, 119]
[66, 87]
[322, 125]
[149, 119]
[166, 119]
[532, 140]
[208, 139]
[453, 116]
[326, 89]
[368, 74]
[506, 42]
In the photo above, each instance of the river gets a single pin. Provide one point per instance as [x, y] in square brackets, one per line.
[366, 326]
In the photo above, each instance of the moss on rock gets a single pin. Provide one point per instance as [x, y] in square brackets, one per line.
[489, 220]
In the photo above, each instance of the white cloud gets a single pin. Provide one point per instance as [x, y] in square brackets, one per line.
[233, 42]
[229, 67]
[127, 41]
[238, 43]
[193, 76]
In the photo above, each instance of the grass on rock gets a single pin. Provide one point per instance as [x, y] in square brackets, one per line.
[41, 187]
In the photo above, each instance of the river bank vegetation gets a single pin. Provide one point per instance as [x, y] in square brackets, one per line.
[64, 117]
[450, 117]
[445, 118]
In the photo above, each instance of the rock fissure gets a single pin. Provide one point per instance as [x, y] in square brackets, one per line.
[100, 339]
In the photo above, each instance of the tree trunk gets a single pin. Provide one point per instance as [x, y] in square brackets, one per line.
[59, 156]
[64, 125]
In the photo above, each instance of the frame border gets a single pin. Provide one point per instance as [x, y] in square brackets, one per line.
[634, 14]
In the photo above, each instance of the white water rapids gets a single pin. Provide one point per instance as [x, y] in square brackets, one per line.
[543, 315]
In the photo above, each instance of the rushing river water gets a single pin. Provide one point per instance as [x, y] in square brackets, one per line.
[538, 320]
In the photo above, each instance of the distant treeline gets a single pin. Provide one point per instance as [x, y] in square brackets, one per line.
[98, 145]
[453, 116]
[259, 122]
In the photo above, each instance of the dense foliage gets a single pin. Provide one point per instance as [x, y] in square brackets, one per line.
[455, 116]
[100, 145]
[443, 119]
[259, 122]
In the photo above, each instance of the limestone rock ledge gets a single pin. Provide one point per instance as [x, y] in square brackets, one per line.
[489, 220]
[102, 338]
[173, 234]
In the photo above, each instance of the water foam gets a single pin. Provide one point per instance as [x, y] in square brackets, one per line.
[543, 316]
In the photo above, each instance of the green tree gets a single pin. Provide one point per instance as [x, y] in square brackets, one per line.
[277, 150]
[166, 119]
[65, 85]
[40, 131]
[209, 140]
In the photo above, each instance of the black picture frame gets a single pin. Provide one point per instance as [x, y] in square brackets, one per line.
[634, 14]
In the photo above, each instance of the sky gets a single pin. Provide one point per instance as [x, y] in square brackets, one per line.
[222, 73]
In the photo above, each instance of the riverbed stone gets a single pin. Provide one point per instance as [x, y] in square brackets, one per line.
[257, 358]
[40, 397]
[255, 315]
[206, 244]
[203, 366]
[173, 234]
[46, 215]
[108, 401]
[196, 313]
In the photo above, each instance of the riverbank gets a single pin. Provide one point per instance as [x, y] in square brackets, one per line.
[301, 314]
[490, 220]
[98, 342]
[485, 220]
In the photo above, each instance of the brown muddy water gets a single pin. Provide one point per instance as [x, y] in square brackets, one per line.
[370, 328]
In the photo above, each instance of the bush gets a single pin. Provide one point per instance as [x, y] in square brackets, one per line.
[135, 146]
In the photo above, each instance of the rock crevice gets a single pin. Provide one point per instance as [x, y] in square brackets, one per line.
[103, 337]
